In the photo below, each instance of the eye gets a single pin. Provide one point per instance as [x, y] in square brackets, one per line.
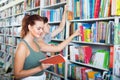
[39, 28]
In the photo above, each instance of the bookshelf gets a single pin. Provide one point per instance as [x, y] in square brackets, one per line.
[11, 26]
[10, 19]
[82, 17]
[116, 50]
[54, 10]
[11, 23]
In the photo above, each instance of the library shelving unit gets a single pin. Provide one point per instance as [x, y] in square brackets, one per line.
[10, 26]
[10, 21]
[92, 53]
[99, 30]
[54, 11]
[116, 61]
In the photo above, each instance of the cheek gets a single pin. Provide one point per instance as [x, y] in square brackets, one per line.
[45, 29]
[36, 33]
[48, 29]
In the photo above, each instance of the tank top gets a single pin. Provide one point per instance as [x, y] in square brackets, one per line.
[32, 60]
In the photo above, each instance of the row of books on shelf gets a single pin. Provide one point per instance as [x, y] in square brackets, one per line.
[31, 12]
[9, 40]
[1, 54]
[86, 9]
[52, 77]
[16, 31]
[85, 54]
[1, 39]
[5, 2]
[6, 57]
[12, 21]
[26, 5]
[29, 4]
[17, 9]
[35, 3]
[1, 30]
[9, 31]
[53, 15]
[57, 69]
[9, 49]
[6, 49]
[50, 2]
[76, 72]
[12, 41]
[1, 62]
[4, 77]
[5, 60]
[99, 32]
[2, 47]
[61, 35]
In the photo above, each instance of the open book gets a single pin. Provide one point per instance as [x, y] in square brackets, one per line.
[53, 59]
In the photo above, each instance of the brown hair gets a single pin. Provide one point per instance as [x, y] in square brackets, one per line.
[45, 19]
[29, 20]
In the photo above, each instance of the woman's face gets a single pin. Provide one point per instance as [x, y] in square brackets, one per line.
[37, 29]
[46, 28]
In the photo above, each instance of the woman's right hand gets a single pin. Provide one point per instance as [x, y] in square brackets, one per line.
[77, 33]
[45, 66]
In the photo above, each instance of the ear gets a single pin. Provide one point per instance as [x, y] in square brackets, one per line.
[29, 28]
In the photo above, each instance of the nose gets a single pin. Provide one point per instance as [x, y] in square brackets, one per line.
[41, 30]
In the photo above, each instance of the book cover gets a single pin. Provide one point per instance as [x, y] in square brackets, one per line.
[116, 68]
[97, 8]
[111, 57]
[53, 60]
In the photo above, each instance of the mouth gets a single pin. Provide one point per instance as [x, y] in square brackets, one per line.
[41, 34]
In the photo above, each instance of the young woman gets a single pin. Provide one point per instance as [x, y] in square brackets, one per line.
[47, 36]
[29, 51]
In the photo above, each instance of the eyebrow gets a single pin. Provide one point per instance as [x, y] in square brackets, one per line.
[40, 27]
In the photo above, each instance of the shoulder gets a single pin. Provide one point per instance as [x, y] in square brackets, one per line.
[21, 47]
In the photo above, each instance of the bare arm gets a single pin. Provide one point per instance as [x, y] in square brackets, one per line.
[61, 26]
[61, 46]
[20, 56]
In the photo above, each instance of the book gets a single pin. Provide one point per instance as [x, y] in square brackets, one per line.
[115, 7]
[53, 59]
[116, 68]
[111, 57]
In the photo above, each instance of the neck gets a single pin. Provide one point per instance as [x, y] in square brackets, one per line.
[29, 38]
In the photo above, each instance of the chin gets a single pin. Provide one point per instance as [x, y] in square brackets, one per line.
[38, 36]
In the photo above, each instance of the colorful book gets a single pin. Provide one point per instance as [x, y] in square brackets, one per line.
[116, 68]
[115, 10]
[53, 60]
[111, 57]
[97, 8]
